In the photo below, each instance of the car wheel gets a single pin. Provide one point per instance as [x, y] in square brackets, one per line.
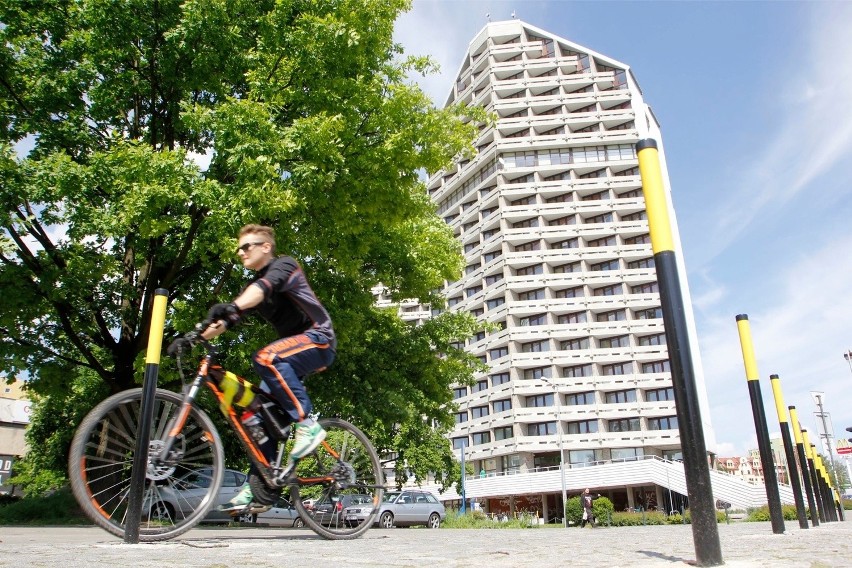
[434, 521]
[162, 511]
[386, 520]
[245, 518]
[298, 523]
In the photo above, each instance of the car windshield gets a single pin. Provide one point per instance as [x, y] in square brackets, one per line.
[390, 497]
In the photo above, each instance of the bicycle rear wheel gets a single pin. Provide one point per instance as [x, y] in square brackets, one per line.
[344, 481]
[177, 492]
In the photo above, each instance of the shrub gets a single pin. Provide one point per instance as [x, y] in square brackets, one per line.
[602, 509]
[479, 520]
[58, 508]
[761, 514]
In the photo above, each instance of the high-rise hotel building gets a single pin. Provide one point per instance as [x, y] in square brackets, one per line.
[551, 218]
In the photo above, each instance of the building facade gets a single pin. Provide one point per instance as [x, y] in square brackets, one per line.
[551, 218]
[14, 417]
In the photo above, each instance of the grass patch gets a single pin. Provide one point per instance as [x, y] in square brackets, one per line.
[479, 520]
[59, 508]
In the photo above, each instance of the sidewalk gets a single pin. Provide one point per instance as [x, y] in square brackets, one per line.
[744, 545]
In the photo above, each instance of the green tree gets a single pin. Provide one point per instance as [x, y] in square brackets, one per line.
[309, 123]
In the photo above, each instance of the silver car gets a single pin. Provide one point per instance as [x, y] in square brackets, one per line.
[185, 494]
[282, 514]
[401, 509]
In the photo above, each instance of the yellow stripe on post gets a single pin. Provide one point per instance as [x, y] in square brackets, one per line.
[797, 429]
[158, 322]
[807, 440]
[656, 205]
[779, 398]
[747, 347]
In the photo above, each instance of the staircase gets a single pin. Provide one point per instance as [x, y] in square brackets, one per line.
[616, 474]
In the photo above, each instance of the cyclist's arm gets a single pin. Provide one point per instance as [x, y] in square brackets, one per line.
[249, 298]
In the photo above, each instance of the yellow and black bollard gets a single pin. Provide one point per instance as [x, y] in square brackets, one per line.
[770, 480]
[818, 493]
[143, 433]
[803, 462]
[705, 532]
[789, 452]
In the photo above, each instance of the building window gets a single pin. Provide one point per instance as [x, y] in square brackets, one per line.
[502, 405]
[529, 200]
[656, 367]
[459, 443]
[611, 290]
[577, 371]
[583, 427]
[471, 268]
[536, 346]
[531, 295]
[566, 244]
[602, 218]
[539, 400]
[562, 197]
[650, 313]
[494, 278]
[541, 429]
[538, 373]
[566, 220]
[499, 379]
[576, 292]
[580, 399]
[621, 397]
[479, 411]
[529, 270]
[537, 319]
[602, 242]
[647, 288]
[658, 339]
[504, 433]
[459, 392]
[641, 263]
[584, 456]
[567, 268]
[606, 265]
[472, 291]
[627, 454]
[659, 395]
[638, 240]
[616, 369]
[576, 317]
[479, 438]
[614, 315]
[478, 336]
[613, 342]
[533, 222]
[575, 344]
[663, 423]
[494, 302]
[532, 245]
[477, 312]
[497, 353]
[461, 417]
[490, 256]
[638, 216]
[480, 386]
[624, 425]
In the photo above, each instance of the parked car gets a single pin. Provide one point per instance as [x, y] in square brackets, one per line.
[184, 495]
[282, 514]
[330, 512]
[402, 509]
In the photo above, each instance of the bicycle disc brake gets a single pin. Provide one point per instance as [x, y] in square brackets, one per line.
[343, 474]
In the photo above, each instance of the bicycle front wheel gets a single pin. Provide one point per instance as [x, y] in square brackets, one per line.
[342, 483]
[178, 489]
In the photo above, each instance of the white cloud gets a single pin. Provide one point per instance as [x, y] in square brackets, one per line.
[815, 136]
[800, 334]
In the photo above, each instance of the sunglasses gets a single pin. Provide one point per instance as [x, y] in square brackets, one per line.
[245, 247]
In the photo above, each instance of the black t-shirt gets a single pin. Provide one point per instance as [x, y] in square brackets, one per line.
[289, 303]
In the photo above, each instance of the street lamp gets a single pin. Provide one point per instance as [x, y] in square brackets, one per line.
[848, 357]
[561, 451]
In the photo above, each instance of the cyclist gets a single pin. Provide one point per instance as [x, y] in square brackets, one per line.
[281, 295]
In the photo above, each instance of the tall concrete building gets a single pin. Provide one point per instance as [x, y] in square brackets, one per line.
[551, 218]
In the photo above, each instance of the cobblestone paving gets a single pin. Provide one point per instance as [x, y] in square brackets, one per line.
[743, 545]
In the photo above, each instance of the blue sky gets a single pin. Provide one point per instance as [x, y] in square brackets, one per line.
[754, 103]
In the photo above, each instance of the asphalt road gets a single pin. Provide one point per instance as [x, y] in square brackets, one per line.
[743, 545]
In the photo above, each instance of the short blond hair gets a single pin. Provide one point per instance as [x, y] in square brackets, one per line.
[266, 233]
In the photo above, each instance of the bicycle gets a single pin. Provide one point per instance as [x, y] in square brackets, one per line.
[185, 462]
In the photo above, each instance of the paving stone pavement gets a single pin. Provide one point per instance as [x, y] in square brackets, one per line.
[744, 545]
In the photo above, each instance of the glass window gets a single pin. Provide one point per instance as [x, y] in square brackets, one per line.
[650, 313]
[577, 371]
[499, 379]
[580, 398]
[479, 438]
[612, 342]
[530, 295]
[583, 427]
[502, 405]
[658, 339]
[498, 353]
[575, 317]
[627, 454]
[540, 400]
[504, 433]
[659, 395]
[479, 411]
[584, 456]
[624, 425]
[612, 290]
[621, 397]
[641, 263]
[566, 244]
[614, 315]
[536, 346]
[606, 265]
[461, 417]
[459, 443]
[656, 367]
[537, 373]
[537, 319]
[576, 292]
[541, 429]
[480, 385]
[529, 270]
[663, 423]
[567, 268]
[647, 288]
[575, 344]
[459, 392]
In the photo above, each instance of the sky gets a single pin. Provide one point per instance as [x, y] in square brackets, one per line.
[753, 99]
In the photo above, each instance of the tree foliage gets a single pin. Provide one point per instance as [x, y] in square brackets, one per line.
[304, 112]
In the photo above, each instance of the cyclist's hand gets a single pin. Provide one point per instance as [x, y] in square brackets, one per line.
[229, 313]
[184, 343]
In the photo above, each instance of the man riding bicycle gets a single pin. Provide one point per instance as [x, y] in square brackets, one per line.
[281, 295]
